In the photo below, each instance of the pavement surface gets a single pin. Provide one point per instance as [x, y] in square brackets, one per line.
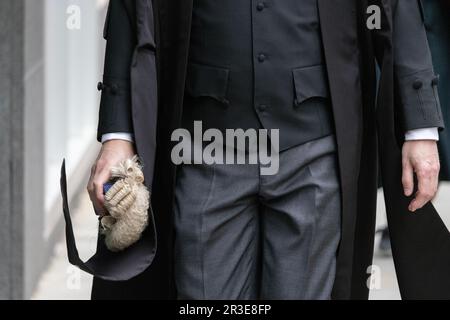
[63, 282]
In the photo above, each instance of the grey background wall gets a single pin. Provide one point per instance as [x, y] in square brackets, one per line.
[11, 172]
[48, 107]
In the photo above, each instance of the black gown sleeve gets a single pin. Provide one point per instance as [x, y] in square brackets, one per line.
[415, 78]
[115, 105]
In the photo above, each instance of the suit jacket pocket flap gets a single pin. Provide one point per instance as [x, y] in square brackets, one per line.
[207, 81]
[310, 82]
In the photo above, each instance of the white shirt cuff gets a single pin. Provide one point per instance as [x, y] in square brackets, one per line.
[417, 134]
[422, 134]
[118, 136]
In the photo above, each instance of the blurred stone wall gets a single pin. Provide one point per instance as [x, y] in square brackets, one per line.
[48, 106]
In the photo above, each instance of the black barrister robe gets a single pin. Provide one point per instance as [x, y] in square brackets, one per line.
[366, 131]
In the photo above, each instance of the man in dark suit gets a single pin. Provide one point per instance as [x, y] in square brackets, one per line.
[227, 231]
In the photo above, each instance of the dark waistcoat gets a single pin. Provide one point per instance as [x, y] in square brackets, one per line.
[258, 64]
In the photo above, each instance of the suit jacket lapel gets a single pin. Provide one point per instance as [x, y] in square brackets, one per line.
[338, 23]
[182, 11]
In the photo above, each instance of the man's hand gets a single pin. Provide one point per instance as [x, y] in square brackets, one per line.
[111, 154]
[420, 157]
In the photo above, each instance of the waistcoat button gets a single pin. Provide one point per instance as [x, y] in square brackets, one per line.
[262, 57]
[417, 84]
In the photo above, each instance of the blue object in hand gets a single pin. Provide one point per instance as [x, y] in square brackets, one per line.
[107, 186]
